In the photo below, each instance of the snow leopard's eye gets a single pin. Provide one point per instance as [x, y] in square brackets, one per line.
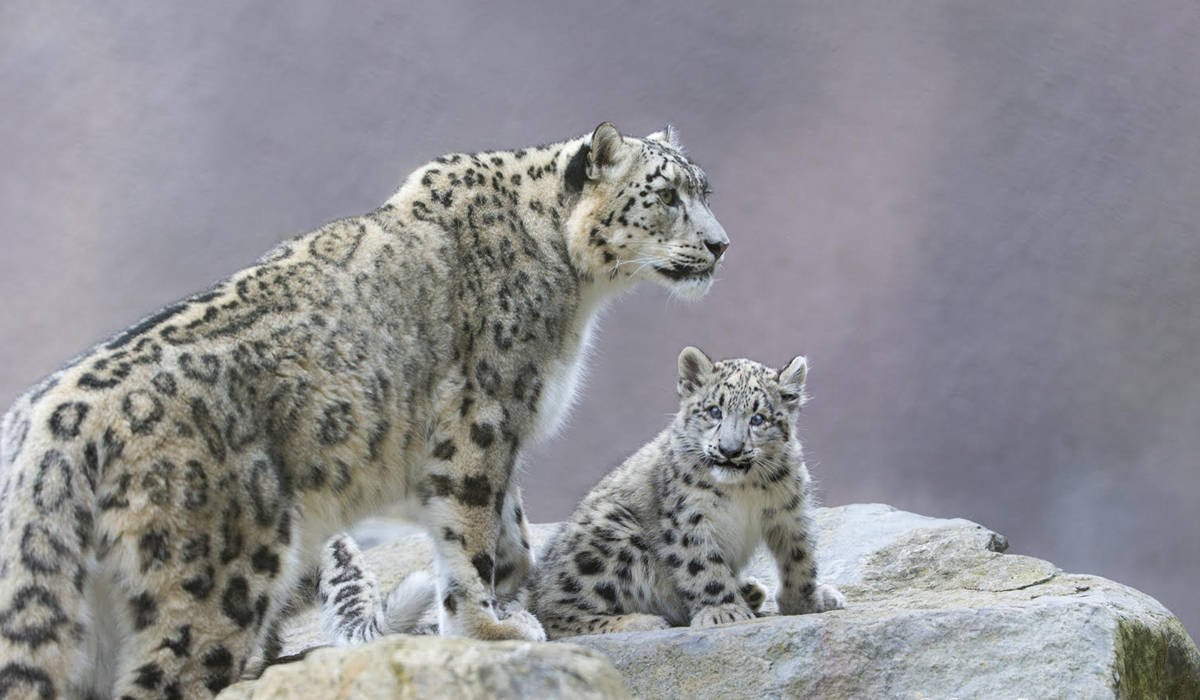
[715, 412]
[757, 419]
[669, 196]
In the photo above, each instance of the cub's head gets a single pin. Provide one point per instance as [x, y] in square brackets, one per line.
[643, 213]
[737, 416]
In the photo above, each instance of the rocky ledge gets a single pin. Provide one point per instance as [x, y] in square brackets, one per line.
[935, 610]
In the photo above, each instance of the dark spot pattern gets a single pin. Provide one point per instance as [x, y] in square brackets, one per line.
[66, 419]
[484, 565]
[483, 434]
[42, 550]
[444, 450]
[218, 661]
[205, 369]
[476, 490]
[32, 617]
[588, 564]
[337, 423]
[144, 609]
[19, 680]
[143, 410]
[54, 484]
[235, 602]
[200, 585]
[154, 549]
[264, 561]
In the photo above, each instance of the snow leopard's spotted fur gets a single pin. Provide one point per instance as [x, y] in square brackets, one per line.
[164, 494]
[661, 540]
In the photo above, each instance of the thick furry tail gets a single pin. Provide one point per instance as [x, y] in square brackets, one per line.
[352, 611]
[408, 602]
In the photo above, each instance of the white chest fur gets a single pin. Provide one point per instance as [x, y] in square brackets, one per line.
[564, 376]
[737, 526]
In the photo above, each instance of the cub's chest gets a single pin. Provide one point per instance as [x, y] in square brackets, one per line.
[737, 525]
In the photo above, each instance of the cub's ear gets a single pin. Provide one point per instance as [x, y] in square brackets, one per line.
[669, 136]
[791, 381]
[694, 367]
[605, 146]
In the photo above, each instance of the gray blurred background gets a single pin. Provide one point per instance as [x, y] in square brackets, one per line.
[978, 220]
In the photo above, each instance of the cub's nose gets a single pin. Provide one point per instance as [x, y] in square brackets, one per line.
[730, 450]
[716, 248]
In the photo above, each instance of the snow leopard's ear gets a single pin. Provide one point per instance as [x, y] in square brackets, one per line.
[791, 381]
[669, 136]
[606, 144]
[694, 368]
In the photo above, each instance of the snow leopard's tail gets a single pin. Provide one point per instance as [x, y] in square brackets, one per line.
[408, 602]
[352, 610]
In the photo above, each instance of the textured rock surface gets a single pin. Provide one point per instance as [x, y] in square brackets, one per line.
[935, 610]
[430, 667]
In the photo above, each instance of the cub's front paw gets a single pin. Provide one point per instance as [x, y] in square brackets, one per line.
[721, 614]
[640, 622]
[753, 592]
[826, 597]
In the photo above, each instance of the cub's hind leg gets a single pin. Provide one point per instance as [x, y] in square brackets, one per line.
[577, 623]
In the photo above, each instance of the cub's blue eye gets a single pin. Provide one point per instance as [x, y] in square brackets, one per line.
[715, 412]
[757, 419]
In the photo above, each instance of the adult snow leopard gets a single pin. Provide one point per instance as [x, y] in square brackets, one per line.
[661, 540]
[162, 495]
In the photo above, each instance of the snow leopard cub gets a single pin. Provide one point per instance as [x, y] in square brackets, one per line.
[661, 540]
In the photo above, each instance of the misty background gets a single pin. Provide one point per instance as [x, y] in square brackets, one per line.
[978, 220]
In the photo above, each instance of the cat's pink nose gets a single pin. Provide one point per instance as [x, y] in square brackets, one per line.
[716, 248]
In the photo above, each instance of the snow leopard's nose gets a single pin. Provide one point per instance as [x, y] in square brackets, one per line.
[731, 448]
[716, 248]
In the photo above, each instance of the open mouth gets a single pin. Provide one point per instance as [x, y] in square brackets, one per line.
[685, 272]
[732, 466]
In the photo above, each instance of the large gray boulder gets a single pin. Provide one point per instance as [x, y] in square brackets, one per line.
[935, 610]
[412, 668]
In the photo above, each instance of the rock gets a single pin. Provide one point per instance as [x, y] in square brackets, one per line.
[404, 666]
[935, 610]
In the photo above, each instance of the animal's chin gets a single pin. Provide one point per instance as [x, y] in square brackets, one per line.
[686, 282]
[728, 472]
[724, 475]
[683, 273]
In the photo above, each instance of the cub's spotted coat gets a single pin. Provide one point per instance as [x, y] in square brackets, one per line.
[162, 496]
[661, 540]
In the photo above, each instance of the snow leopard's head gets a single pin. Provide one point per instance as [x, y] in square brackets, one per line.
[737, 416]
[643, 212]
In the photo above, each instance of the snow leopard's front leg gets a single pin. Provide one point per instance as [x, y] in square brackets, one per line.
[464, 491]
[699, 570]
[789, 536]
